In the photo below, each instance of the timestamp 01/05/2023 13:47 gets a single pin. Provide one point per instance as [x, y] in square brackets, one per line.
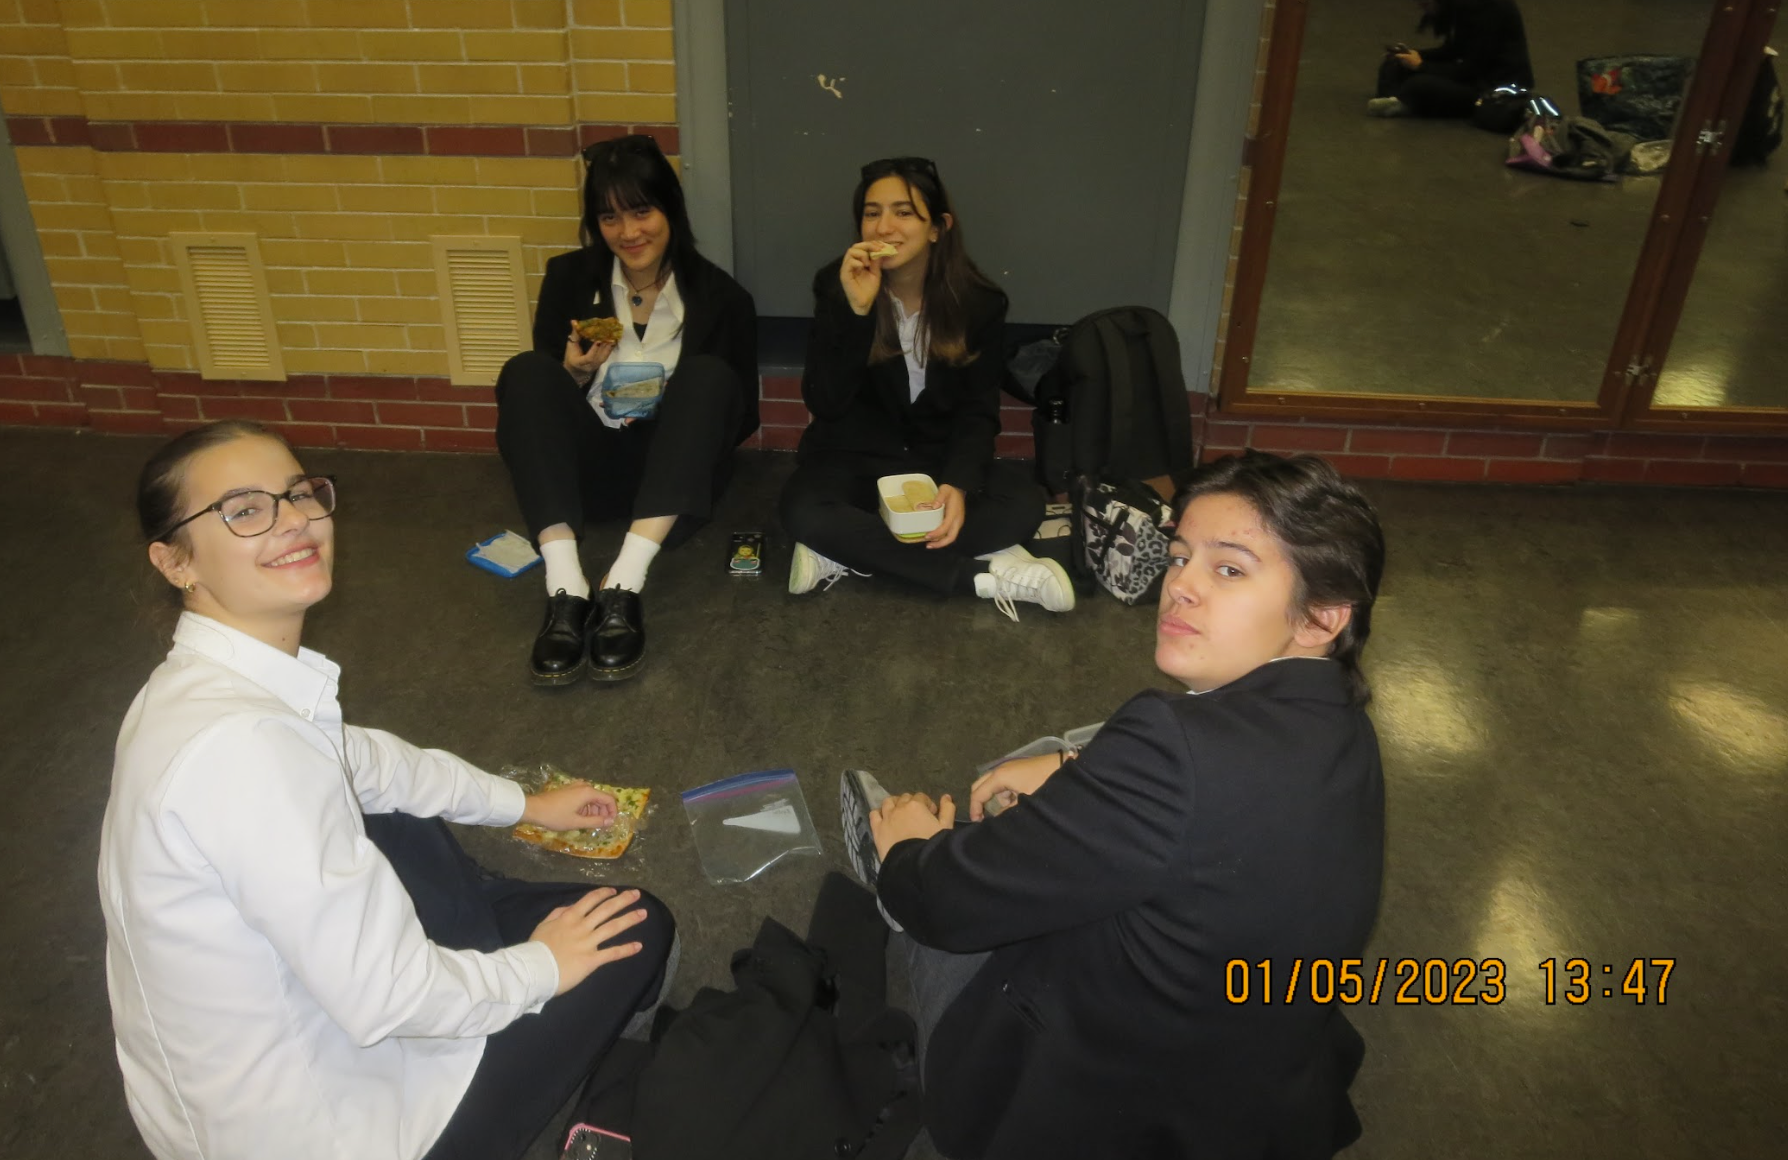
[1437, 982]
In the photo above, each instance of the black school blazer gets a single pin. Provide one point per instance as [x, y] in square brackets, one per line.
[865, 414]
[719, 317]
[1246, 823]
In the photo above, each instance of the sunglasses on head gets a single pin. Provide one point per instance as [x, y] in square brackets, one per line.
[923, 166]
[635, 143]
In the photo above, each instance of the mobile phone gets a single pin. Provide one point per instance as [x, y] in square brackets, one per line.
[745, 556]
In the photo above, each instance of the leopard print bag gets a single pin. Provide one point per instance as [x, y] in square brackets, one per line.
[1121, 537]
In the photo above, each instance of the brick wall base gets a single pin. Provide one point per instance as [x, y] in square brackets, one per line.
[1476, 455]
[415, 413]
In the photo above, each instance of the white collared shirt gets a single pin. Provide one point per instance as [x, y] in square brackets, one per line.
[908, 326]
[662, 343]
[272, 991]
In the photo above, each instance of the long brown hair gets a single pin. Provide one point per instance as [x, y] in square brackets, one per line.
[950, 276]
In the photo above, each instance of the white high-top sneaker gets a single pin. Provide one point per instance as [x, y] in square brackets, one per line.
[1014, 575]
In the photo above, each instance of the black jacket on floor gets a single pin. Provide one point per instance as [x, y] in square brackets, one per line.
[802, 1060]
[719, 316]
[866, 413]
[1246, 823]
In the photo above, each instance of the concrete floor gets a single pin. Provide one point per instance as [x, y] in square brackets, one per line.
[1407, 259]
[1581, 694]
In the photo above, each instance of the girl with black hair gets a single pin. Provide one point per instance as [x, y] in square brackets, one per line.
[301, 960]
[1074, 956]
[684, 322]
[1483, 47]
[903, 376]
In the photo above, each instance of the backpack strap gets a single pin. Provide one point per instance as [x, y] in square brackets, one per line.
[1176, 416]
[1120, 443]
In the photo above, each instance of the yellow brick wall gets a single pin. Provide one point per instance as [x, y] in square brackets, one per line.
[344, 241]
[343, 237]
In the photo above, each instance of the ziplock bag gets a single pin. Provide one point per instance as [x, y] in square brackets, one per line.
[746, 823]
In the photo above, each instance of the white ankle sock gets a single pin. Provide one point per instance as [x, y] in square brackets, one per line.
[984, 584]
[563, 569]
[629, 569]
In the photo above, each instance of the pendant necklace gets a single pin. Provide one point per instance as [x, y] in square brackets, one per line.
[639, 298]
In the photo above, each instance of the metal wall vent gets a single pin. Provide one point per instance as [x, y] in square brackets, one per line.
[484, 305]
[227, 304]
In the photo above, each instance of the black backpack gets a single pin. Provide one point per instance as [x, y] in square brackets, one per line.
[1761, 130]
[1114, 404]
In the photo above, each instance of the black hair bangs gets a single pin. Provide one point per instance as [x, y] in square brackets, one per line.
[620, 192]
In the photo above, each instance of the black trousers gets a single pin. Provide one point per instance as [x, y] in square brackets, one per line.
[1433, 92]
[531, 1067]
[568, 467]
[831, 506]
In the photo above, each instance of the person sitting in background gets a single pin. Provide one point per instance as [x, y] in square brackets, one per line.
[903, 373]
[675, 316]
[301, 960]
[1071, 957]
[1483, 47]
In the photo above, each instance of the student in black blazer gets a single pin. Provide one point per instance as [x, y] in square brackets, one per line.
[903, 373]
[571, 461]
[1483, 46]
[1072, 953]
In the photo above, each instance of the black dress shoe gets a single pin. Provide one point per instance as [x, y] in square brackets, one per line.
[559, 652]
[617, 632]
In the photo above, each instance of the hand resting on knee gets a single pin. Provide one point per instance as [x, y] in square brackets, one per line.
[575, 934]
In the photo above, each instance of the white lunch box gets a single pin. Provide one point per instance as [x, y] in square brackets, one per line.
[900, 497]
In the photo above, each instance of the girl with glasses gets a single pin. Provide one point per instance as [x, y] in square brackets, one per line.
[577, 451]
[903, 373]
[299, 956]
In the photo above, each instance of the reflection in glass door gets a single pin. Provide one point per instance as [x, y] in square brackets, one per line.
[1408, 260]
[1731, 347]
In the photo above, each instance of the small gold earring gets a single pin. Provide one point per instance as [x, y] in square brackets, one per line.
[189, 587]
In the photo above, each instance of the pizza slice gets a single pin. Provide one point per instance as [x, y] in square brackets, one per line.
[600, 330]
[607, 843]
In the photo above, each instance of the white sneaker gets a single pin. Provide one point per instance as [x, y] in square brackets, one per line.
[1014, 575]
[1386, 107]
[808, 570]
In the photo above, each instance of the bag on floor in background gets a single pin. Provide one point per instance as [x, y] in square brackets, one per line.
[1760, 132]
[1501, 110]
[1574, 147]
[1114, 405]
[1121, 534]
[1636, 93]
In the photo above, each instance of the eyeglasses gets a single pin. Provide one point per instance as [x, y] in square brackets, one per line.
[253, 513]
[640, 143]
[920, 165]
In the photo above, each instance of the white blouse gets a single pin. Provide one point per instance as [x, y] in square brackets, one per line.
[908, 328]
[272, 991]
[662, 343]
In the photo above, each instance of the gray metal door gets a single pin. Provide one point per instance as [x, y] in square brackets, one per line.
[1060, 129]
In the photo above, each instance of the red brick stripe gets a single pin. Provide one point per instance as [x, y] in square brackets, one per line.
[424, 413]
[285, 137]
